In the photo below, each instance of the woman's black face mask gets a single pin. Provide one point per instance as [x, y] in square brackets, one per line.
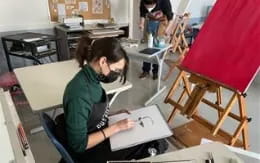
[111, 77]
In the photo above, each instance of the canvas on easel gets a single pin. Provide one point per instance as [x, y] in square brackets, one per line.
[226, 49]
[225, 55]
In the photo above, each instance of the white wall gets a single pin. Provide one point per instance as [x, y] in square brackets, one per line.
[120, 10]
[23, 15]
[34, 14]
[198, 8]
[175, 4]
[134, 31]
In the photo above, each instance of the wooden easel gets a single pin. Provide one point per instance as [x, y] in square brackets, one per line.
[190, 134]
[179, 42]
[178, 39]
[173, 64]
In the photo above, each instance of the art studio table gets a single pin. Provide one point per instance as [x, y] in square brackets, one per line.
[199, 154]
[44, 85]
[157, 57]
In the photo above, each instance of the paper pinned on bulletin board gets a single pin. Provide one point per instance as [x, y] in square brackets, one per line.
[61, 9]
[83, 6]
[70, 2]
[89, 9]
[97, 6]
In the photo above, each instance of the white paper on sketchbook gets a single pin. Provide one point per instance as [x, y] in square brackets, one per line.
[150, 125]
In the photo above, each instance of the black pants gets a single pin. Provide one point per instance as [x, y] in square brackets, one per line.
[147, 67]
[102, 152]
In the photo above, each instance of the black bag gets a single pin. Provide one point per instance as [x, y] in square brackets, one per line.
[160, 145]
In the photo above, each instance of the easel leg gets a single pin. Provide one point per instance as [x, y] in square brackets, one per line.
[238, 132]
[243, 114]
[225, 114]
[219, 100]
[174, 86]
[186, 89]
[196, 96]
[171, 68]
[175, 109]
[187, 84]
[174, 64]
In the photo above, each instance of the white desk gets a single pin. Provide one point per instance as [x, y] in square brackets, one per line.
[44, 85]
[157, 57]
[198, 26]
[221, 154]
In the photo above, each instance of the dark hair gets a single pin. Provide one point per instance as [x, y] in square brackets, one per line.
[92, 50]
[149, 2]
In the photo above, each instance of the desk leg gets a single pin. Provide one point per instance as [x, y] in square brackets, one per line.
[7, 56]
[160, 63]
[36, 130]
[159, 89]
[113, 98]
[154, 96]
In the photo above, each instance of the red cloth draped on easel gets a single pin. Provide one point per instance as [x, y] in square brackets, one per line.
[227, 49]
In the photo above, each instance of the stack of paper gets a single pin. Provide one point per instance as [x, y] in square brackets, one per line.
[71, 22]
[107, 25]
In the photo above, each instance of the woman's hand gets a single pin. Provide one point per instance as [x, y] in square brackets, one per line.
[124, 124]
[99, 136]
[141, 24]
[168, 32]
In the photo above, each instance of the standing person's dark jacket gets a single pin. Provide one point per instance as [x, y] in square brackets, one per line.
[162, 5]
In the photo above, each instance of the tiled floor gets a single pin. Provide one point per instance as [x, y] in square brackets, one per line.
[44, 151]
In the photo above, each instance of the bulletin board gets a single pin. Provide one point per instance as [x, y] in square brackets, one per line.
[89, 9]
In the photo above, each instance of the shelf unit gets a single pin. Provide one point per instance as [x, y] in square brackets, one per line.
[33, 46]
[68, 38]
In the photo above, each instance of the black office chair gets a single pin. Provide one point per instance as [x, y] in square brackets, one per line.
[49, 127]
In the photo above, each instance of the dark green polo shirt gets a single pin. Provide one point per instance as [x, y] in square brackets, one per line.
[81, 93]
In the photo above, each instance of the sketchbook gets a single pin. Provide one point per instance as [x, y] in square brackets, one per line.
[150, 125]
[149, 51]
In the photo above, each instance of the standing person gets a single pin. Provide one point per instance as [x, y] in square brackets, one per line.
[86, 107]
[159, 14]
